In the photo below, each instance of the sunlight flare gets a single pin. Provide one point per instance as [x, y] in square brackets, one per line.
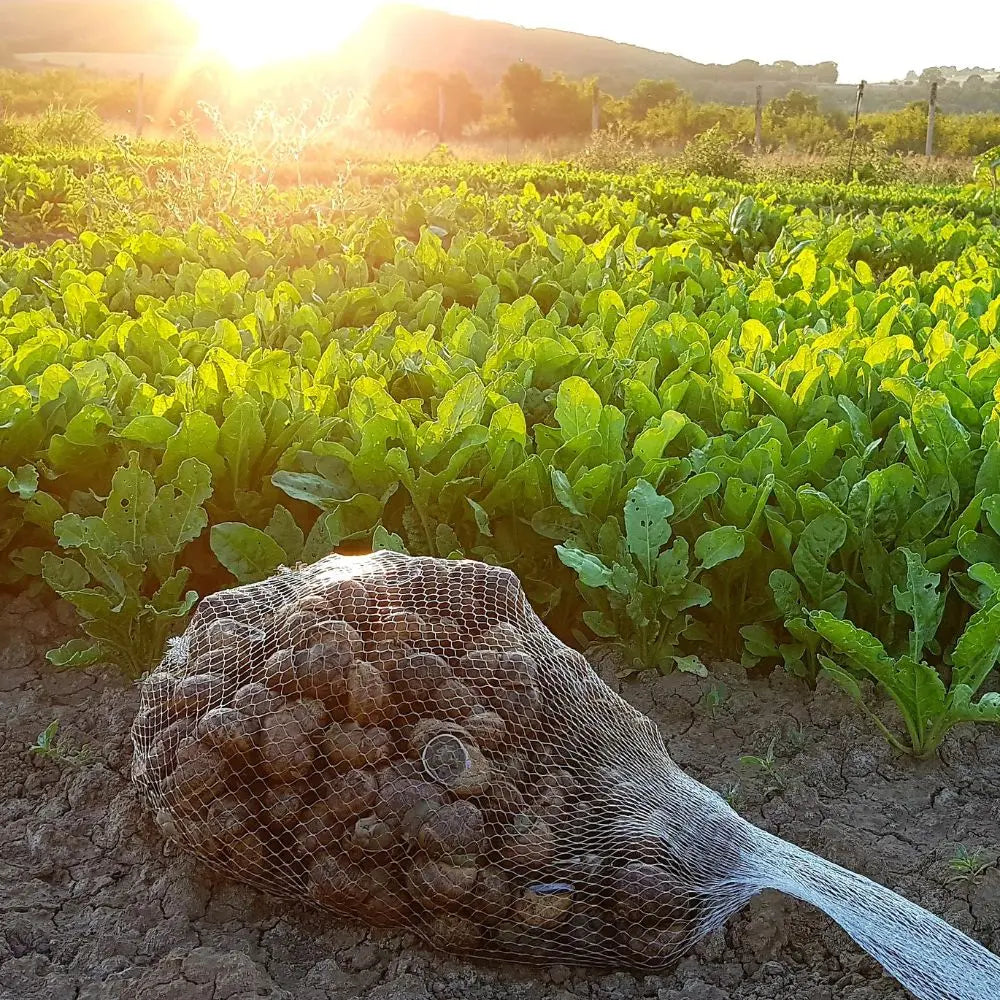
[252, 33]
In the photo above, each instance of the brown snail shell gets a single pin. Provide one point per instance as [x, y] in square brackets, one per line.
[368, 693]
[229, 729]
[338, 884]
[527, 842]
[487, 729]
[397, 796]
[543, 909]
[455, 828]
[197, 693]
[657, 945]
[372, 835]
[440, 884]
[648, 889]
[255, 700]
[351, 794]
[351, 745]
[398, 625]
[455, 700]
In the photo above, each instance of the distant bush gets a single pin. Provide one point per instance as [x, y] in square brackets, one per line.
[714, 154]
[614, 148]
[68, 127]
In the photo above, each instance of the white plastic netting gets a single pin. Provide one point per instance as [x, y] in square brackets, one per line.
[401, 740]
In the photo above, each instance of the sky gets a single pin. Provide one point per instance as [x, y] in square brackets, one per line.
[873, 40]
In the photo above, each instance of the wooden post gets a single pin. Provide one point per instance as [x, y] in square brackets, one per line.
[854, 134]
[140, 110]
[931, 112]
[442, 106]
[758, 121]
[595, 108]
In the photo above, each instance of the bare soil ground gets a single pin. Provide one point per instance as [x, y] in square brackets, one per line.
[95, 904]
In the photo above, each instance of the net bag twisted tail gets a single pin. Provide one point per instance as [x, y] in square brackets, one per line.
[401, 740]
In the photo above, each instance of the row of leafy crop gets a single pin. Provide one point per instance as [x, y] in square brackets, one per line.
[912, 227]
[151, 160]
[684, 453]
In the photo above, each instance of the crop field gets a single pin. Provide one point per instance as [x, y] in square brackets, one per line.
[719, 430]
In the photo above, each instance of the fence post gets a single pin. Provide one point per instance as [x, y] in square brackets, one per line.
[758, 121]
[442, 107]
[854, 134]
[140, 110]
[931, 111]
[595, 108]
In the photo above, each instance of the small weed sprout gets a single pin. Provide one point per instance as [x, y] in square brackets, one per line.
[733, 795]
[796, 739]
[767, 765]
[714, 698]
[49, 746]
[968, 866]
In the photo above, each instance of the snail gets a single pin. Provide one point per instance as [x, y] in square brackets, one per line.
[348, 744]
[443, 884]
[368, 693]
[455, 828]
[197, 693]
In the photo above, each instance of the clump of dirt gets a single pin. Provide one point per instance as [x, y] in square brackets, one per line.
[95, 904]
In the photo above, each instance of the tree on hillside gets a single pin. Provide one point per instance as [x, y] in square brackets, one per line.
[541, 106]
[408, 102]
[647, 94]
[794, 104]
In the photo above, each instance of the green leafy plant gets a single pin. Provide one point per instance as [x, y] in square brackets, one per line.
[122, 575]
[50, 746]
[767, 765]
[969, 866]
[930, 699]
[640, 588]
[714, 698]
[712, 153]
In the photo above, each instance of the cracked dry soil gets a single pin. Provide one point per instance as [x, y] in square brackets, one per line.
[95, 904]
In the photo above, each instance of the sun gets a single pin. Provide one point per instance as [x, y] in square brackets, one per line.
[252, 33]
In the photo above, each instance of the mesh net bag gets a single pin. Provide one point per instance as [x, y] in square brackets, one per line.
[402, 741]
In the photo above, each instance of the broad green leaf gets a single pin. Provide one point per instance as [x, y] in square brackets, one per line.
[132, 495]
[859, 646]
[75, 653]
[819, 542]
[564, 492]
[964, 709]
[600, 624]
[310, 488]
[247, 552]
[284, 529]
[461, 406]
[839, 247]
[387, 541]
[578, 407]
[647, 525]
[481, 516]
[148, 429]
[719, 545]
[650, 444]
[22, 482]
[690, 665]
[690, 495]
[978, 648]
[921, 601]
[590, 569]
[787, 593]
[242, 440]
[63, 575]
